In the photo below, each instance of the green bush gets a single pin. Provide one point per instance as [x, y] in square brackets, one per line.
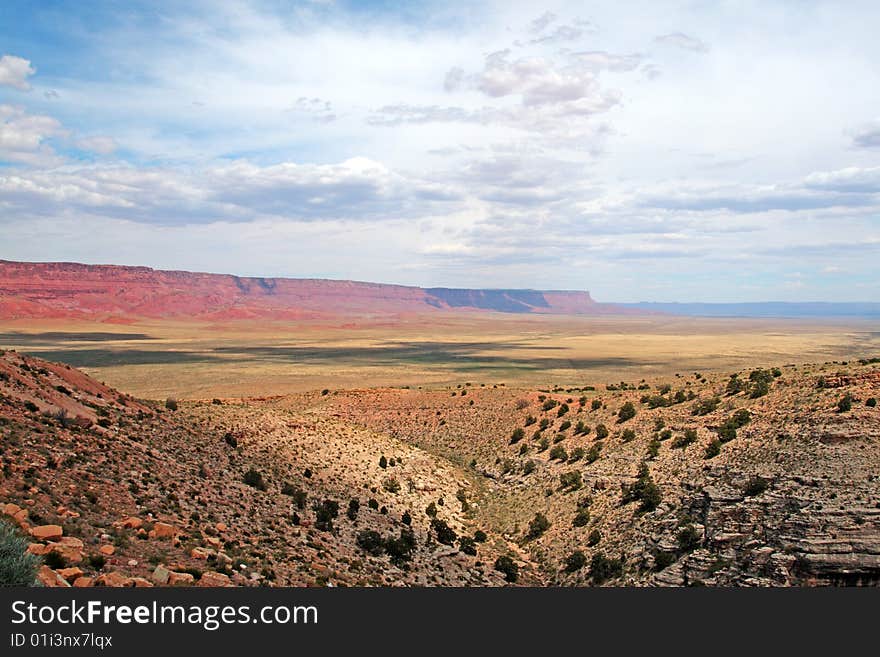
[575, 561]
[705, 406]
[626, 412]
[871, 402]
[755, 486]
[581, 519]
[713, 449]
[325, 513]
[18, 567]
[571, 480]
[594, 538]
[254, 479]
[480, 536]
[663, 559]
[844, 404]
[596, 404]
[504, 564]
[644, 490]
[445, 534]
[628, 435]
[383, 462]
[593, 453]
[602, 568]
[400, 549]
[558, 452]
[689, 437]
[517, 435]
[537, 526]
[353, 507]
[653, 448]
[688, 539]
[171, 404]
[601, 432]
[563, 409]
[467, 545]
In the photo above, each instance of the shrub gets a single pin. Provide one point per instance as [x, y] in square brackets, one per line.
[844, 404]
[713, 449]
[871, 402]
[626, 412]
[593, 453]
[97, 561]
[299, 496]
[370, 541]
[504, 564]
[400, 549]
[602, 568]
[550, 404]
[581, 519]
[726, 432]
[563, 409]
[18, 567]
[663, 559]
[54, 560]
[544, 424]
[688, 539]
[538, 525]
[383, 462]
[406, 518]
[576, 454]
[445, 534]
[480, 536]
[230, 439]
[431, 510]
[530, 420]
[628, 435]
[644, 490]
[528, 467]
[596, 404]
[353, 507]
[254, 479]
[571, 480]
[467, 545]
[705, 406]
[687, 438]
[325, 513]
[565, 426]
[575, 561]
[31, 406]
[653, 448]
[391, 485]
[594, 538]
[517, 435]
[601, 432]
[666, 434]
[558, 452]
[735, 385]
[755, 486]
[171, 404]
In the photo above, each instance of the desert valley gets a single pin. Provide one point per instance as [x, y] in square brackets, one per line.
[168, 428]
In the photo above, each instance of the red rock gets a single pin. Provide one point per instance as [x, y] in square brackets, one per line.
[211, 578]
[199, 553]
[83, 582]
[112, 579]
[140, 582]
[163, 530]
[67, 552]
[11, 509]
[107, 550]
[70, 574]
[48, 577]
[132, 522]
[47, 532]
[39, 549]
[180, 579]
[221, 526]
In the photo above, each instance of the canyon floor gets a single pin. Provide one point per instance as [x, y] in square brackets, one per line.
[156, 359]
[760, 470]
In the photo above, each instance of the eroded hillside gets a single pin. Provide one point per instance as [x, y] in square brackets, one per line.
[762, 477]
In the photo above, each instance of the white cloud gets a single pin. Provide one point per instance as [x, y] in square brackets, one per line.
[101, 145]
[23, 137]
[14, 72]
[683, 41]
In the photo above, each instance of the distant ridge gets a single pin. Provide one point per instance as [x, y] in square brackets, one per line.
[768, 309]
[119, 293]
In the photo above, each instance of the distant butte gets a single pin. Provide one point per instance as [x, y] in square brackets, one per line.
[60, 290]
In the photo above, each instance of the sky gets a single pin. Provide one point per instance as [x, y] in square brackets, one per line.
[644, 151]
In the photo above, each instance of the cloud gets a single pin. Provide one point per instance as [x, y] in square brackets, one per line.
[541, 22]
[852, 180]
[14, 72]
[23, 137]
[99, 144]
[357, 189]
[868, 136]
[683, 41]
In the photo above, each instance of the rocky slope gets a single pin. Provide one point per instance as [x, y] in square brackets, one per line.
[758, 478]
[114, 293]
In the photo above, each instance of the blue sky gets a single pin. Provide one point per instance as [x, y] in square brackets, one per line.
[689, 151]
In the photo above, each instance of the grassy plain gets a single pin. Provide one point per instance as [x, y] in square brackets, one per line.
[240, 359]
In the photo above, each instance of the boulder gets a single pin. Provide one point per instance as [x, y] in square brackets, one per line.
[107, 550]
[47, 532]
[180, 579]
[140, 582]
[211, 578]
[160, 575]
[70, 574]
[48, 577]
[113, 579]
[131, 522]
[163, 530]
[83, 582]
[39, 549]
[199, 553]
